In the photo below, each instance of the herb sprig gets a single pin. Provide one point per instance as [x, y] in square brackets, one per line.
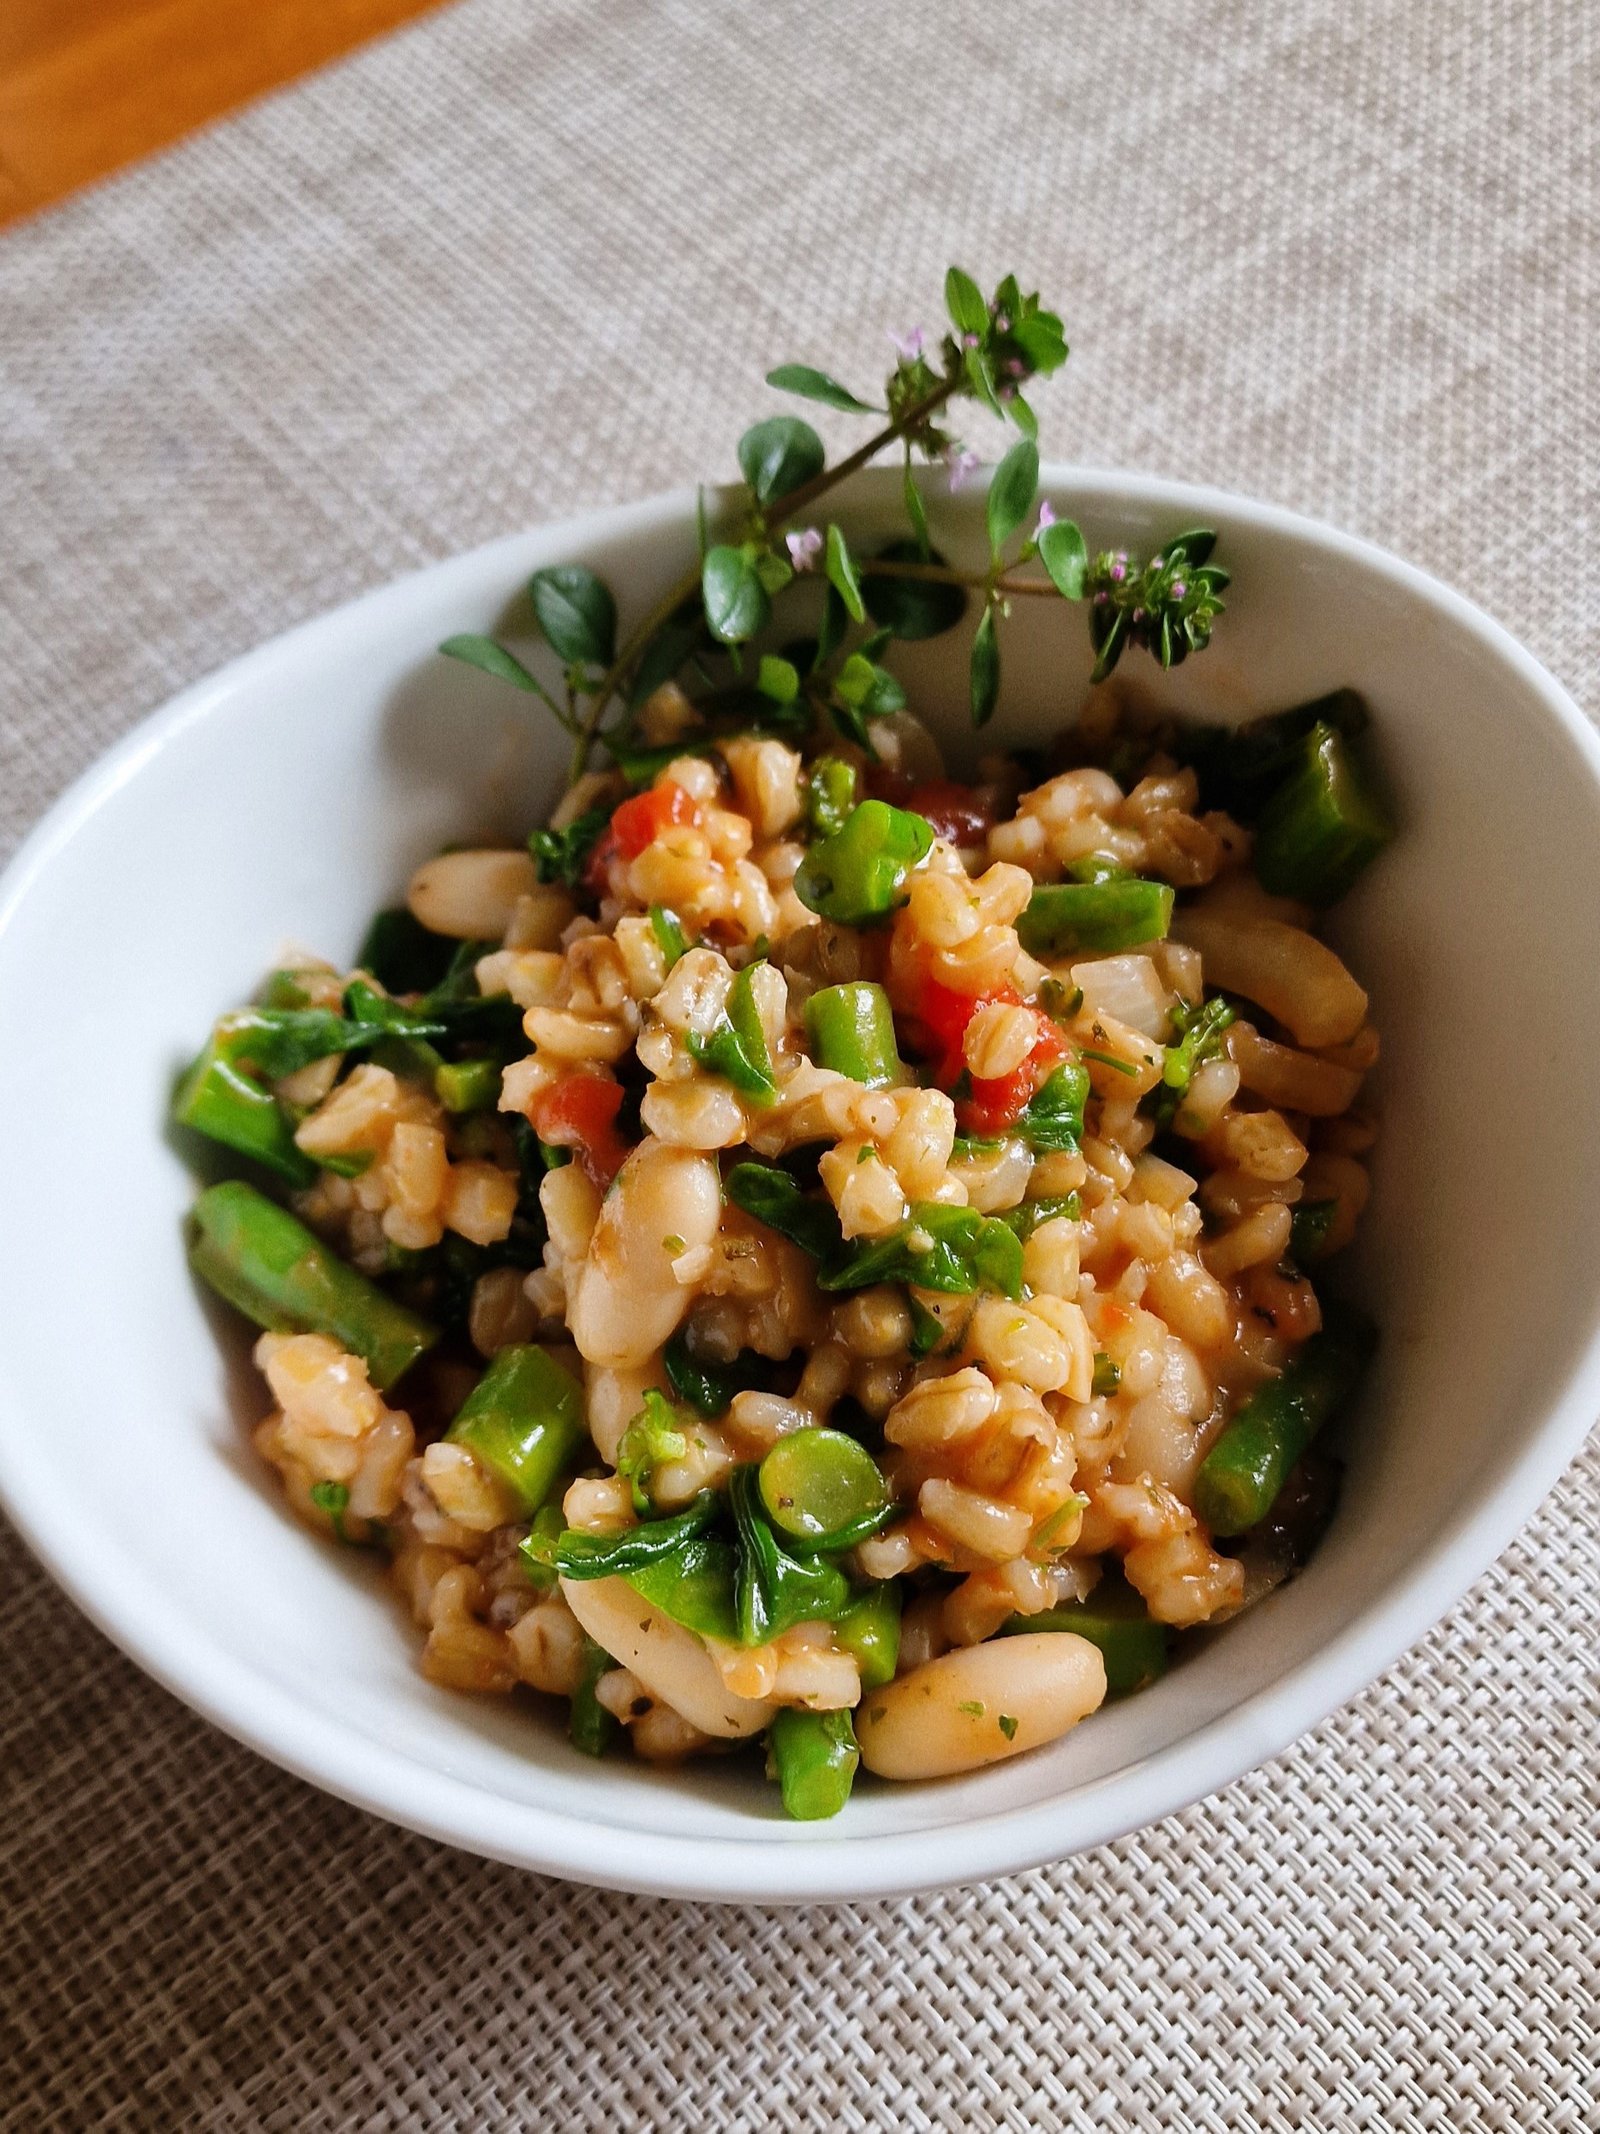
[771, 536]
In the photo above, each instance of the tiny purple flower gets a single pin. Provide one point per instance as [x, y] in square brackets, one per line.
[1015, 367]
[960, 463]
[969, 340]
[1119, 571]
[909, 346]
[1001, 323]
[1179, 589]
[1007, 392]
[1047, 517]
[804, 547]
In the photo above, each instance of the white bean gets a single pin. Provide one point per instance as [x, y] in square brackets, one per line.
[974, 1706]
[1289, 972]
[670, 1661]
[471, 895]
[627, 1300]
[613, 1398]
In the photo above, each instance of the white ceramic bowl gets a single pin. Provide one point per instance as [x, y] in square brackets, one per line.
[292, 793]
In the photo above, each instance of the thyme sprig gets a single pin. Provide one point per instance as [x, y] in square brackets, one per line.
[772, 536]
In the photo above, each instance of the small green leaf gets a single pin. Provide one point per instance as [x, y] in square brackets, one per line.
[869, 689]
[735, 600]
[830, 636]
[912, 607]
[980, 376]
[916, 512]
[841, 571]
[493, 659]
[1022, 415]
[984, 678]
[817, 385]
[779, 454]
[667, 652]
[778, 679]
[576, 613]
[963, 299]
[773, 572]
[1064, 556]
[1011, 493]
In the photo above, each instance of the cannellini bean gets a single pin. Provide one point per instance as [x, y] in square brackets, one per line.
[613, 1398]
[1293, 1081]
[471, 895]
[980, 1704]
[670, 1661]
[1295, 977]
[626, 1299]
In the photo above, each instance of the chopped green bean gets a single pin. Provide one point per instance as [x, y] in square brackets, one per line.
[813, 1756]
[278, 1273]
[525, 1421]
[219, 1099]
[851, 1028]
[590, 1727]
[467, 1085]
[858, 875]
[824, 1490]
[870, 1629]
[1322, 826]
[1116, 914]
[1134, 1648]
[830, 795]
[1242, 1473]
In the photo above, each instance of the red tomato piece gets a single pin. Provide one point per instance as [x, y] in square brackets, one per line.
[580, 1113]
[638, 822]
[641, 820]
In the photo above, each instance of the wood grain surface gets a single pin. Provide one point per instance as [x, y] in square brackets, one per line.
[87, 86]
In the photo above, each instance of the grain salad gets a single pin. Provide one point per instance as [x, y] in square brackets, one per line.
[815, 1253]
[810, 1251]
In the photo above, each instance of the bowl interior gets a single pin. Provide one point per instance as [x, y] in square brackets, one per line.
[283, 801]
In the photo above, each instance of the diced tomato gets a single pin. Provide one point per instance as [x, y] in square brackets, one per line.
[641, 820]
[999, 1102]
[956, 811]
[987, 1106]
[580, 1113]
[637, 823]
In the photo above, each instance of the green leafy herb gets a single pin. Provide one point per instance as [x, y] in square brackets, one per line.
[778, 455]
[1200, 1032]
[576, 613]
[773, 1588]
[668, 930]
[983, 688]
[653, 1439]
[334, 1499]
[1011, 492]
[955, 1250]
[1107, 1375]
[773, 1198]
[996, 346]
[737, 1048]
[736, 601]
[1054, 1117]
[817, 385]
[562, 855]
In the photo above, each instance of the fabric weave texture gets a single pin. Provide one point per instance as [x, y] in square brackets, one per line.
[527, 257]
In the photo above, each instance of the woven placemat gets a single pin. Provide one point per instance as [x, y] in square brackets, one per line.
[527, 257]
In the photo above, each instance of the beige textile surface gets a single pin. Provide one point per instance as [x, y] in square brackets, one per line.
[531, 256]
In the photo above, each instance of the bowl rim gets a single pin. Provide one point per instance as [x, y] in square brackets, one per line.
[255, 1710]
